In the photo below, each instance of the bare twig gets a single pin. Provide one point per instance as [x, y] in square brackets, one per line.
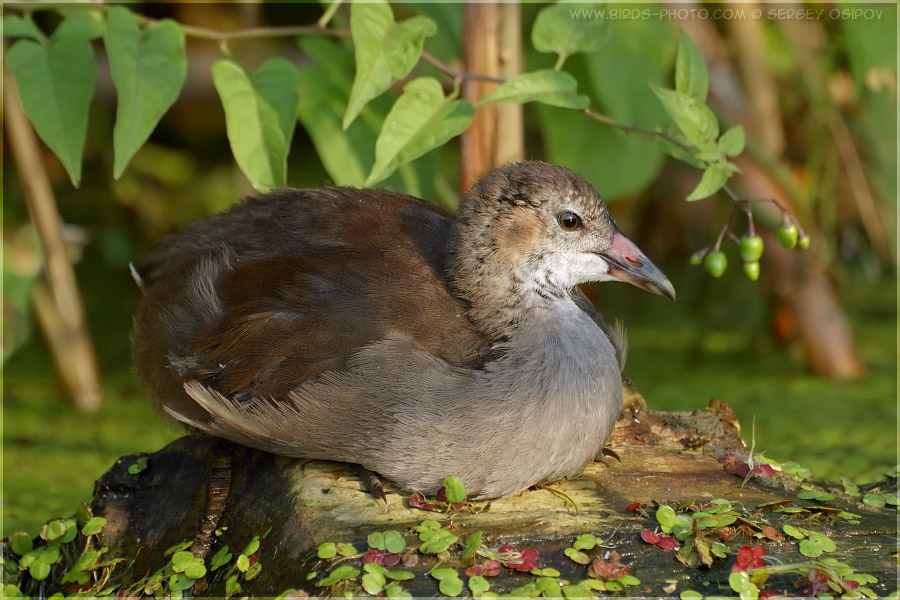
[658, 135]
[457, 75]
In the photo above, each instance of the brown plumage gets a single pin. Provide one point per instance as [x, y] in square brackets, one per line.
[368, 327]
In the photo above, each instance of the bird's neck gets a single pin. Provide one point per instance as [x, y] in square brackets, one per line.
[502, 297]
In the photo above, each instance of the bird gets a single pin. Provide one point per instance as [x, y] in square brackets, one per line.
[369, 327]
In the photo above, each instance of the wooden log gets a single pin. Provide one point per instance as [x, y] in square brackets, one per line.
[210, 493]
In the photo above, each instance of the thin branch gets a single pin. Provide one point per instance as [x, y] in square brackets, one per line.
[629, 129]
[216, 35]
[457, 75]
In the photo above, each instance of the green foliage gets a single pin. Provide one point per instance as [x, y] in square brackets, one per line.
[94, 526]
[347, 154]
[16, 26]
[341, 573]
[691, 76]
[638, 52]
[557, 29]
[260, 114]
[454, 489]
[361, 137]
[472, 544]
[55, 78]
[547, 86]
[422, 119]
[148, 69]
[386, 51]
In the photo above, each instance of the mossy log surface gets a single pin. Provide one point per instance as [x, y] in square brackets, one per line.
[214, 493]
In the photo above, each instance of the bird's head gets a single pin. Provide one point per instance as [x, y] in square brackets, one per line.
[547, 227]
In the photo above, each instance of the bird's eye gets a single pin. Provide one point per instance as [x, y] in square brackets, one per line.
[568, 220]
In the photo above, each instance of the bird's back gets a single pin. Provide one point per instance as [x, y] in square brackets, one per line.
[287, 286]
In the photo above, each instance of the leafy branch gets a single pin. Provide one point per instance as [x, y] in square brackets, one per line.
[260, 107]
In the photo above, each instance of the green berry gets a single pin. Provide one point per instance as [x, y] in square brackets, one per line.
[696, 259]
[716, 263]
[788, 236]
[803, 243]
[751, 248]
[751, 270]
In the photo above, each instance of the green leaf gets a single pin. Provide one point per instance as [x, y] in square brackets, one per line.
[395, 591]
[49, 555]
[874, 500]
[175, 548]
[393, 541]
[547, 86]
[420, 120]
[260, 113]
[20, 543]
[573, 591]
[221, 558]
[456, 491]
[56, 85]
[399, 575]
[39, 570]
[473, 542]
[53, 530]
[714, 177]
[452, 586]
[478, 585]
[252, 546]
[148, 69]
[823, 541]
[849, 487]
[386, 51]
[376, 540]
[566, 28]
[585, 542]
[87, 24]
[342, 573]
[691, 76]
[373, 583]
[547, 572]
[180, 560]
[443, 573]
[427, 526]
[681, 527]
[665, 515]
[577, 556]
[324, 88]
[733, 140]
[232, 586]
[326, 550]
[439, 542]
[693, 118]
[346, 549]
[616, 81]
[242, 563]
[16, 26]
[179, 582]
[254, 570]
[94, 526]
[810, 548]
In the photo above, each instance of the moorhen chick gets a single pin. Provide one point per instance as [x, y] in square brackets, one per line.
[367, 327]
